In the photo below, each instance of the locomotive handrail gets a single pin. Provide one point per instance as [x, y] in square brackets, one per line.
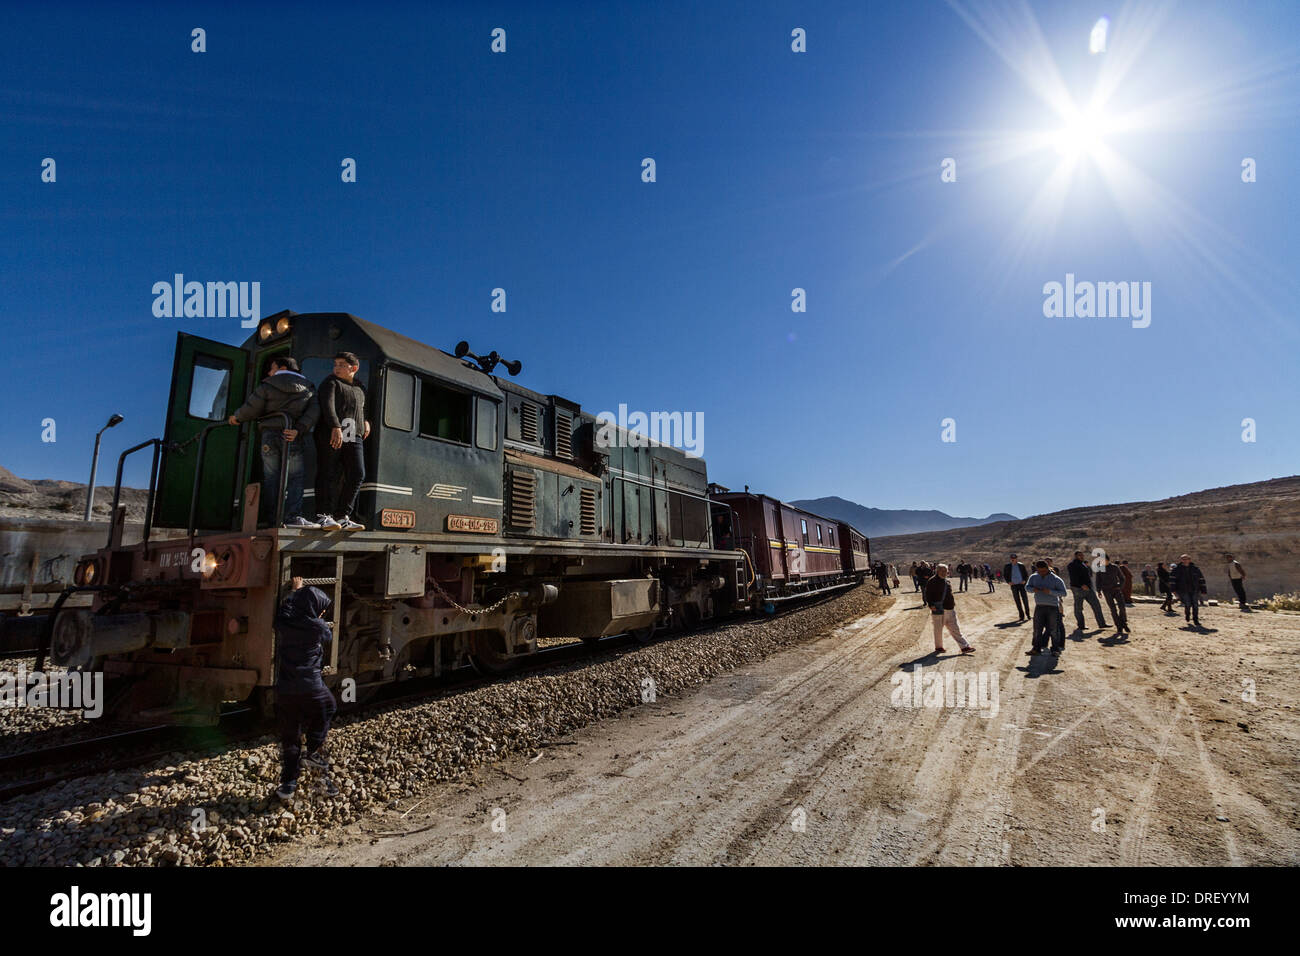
[198, 469]
[158, 444]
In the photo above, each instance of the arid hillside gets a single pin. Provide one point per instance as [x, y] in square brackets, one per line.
[50, 498]
[1259, 523]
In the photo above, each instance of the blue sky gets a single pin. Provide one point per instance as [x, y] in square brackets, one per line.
[775, 170]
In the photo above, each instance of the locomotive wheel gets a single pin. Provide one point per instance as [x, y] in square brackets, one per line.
[488, 656]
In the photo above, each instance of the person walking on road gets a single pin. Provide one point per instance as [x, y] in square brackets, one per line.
[1148, 580]
[1128, 582]
[943, 610]
[988, 576]
[1163, 574]
[1237, 576]
[1110, 582]
[916, 581]
[923, 575]
[1049, 593]
[963, 573]
[1017, 575]
[1081, 587]
[882, 576]
[1189, 583]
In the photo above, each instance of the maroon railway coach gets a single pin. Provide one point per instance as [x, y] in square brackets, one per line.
[793, 553]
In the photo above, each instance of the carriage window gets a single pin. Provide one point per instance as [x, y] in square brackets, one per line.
[399, 400]
[804, 522]
[209, 388]
[819, 534]
[444, 413]
[831, 535]
[487, 424]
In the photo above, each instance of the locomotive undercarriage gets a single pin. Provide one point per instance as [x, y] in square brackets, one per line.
[176, 643]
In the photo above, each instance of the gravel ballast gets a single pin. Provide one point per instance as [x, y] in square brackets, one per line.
[220, 810]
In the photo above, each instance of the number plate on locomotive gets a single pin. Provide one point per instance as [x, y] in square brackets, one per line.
[394, 518]
[472, 524]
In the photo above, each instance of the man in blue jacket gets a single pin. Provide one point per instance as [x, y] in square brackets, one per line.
[1048, 591]
[303, 704]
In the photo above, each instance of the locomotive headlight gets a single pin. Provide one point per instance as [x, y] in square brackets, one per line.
[282, 326]
[84, 573]
[264, 331]
[209, 565]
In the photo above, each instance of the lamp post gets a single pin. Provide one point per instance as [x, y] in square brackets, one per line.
[94, 463]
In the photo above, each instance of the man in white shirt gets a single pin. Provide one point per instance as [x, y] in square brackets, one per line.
[1237, 575]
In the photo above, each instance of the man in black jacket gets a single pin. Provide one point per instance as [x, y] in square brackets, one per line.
[1081, 588]
[1188, 583]
[342, 458]
[943, 610]
[303, 704]
[1017, 575]
[1110, 582]
[283, 390]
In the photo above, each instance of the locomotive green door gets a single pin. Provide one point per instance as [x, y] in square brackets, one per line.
[208, 380]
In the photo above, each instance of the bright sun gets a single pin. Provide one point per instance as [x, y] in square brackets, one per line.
[1083, 133]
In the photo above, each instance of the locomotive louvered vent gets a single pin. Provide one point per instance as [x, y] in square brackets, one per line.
[528, 422]
[587, 514]
[523, 499]
[563, 435]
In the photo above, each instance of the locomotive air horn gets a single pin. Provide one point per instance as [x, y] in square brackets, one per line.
[488, 362]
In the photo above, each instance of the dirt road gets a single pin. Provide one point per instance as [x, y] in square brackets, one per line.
[1140, 752]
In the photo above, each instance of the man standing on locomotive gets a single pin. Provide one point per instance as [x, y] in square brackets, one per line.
[341, 457]
[303, 704]
[286, 390]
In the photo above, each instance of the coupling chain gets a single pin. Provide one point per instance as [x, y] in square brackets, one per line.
[465, 610]
[442, 593]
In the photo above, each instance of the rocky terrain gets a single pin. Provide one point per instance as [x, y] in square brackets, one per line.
[50, 498]
[1259, 523]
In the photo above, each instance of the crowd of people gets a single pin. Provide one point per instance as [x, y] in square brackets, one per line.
[1088, 583]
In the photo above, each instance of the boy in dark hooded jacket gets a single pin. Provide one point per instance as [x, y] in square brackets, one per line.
[302, 701]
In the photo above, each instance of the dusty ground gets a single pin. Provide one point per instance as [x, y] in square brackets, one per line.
[1141, 752]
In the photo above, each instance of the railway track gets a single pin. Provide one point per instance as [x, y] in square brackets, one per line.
[47, 767]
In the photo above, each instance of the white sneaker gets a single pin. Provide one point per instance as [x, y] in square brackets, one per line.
[298, 521]
[325, 521]
[347, 524]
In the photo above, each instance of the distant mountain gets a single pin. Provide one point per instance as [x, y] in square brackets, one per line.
[881, 521]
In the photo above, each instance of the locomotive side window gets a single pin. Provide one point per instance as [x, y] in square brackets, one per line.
[444, 413]
[209, 388]
[487, 424]
[399, 400]
[804, 522]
